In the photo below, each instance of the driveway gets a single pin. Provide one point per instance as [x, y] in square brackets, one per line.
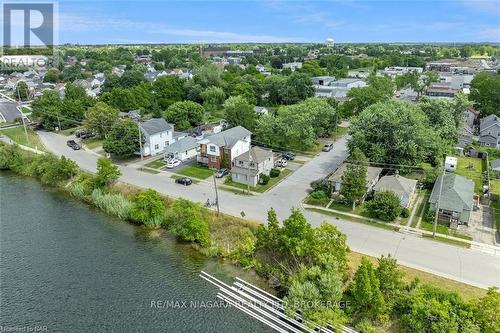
[466, 265]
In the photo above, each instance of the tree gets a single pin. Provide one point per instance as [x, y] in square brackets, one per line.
[391, 280]
[379, 89]
[213, 98]
[52, 75]
[368, 301]
[187, 222]
[276, 62]
[298, 87]
[385, 206]
[394, 132]
[184, 114]
[486, 311]
[239, 112]
[354, 177]
[100, 118]
[107, 173]
[22, 91]
[52, 170]
[207, 75]
[168, 90]
[484, 93]
[148, 208]
[131, 78]
[443, 118]
[429, 77]
[123, 139]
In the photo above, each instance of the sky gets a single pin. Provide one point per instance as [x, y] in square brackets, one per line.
[126, 22]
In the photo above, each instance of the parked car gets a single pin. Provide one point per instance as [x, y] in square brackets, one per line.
[221, 173]
[282, 163]
[83, 134]
[72, 144]
[288, 155]
[186, 181]
[173, 163]
[328, 147]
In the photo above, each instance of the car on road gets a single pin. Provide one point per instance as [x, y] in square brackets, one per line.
[72, 144]
[288, 155]
[221, 173]
[186, 181]
[282, 163]
[173, 163]
[327, 147]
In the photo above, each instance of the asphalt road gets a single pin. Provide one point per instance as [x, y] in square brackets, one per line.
[466, 265]
[9, 110]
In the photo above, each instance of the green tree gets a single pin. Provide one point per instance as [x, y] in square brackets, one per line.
[52, 75]
[148, 208]
[298, 87]
[107, 173]
[391, 280]
[385, 206]
[52, 170]
[131, 78]
[213, 98]
[484, 93]
[239, 112]
[184, 114]
[368, 301]
[379, 89]
[486, 311]
[100, 118]
[354, 177]
[168, 90]
[188, 223]
[22, 91]
[123, 139]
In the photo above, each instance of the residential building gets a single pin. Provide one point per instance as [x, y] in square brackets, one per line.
[182, 149]
[489, 131]
[219, 150]
[261, 110]
[322, 80]
[247, 167]
[495, 167]
[403, 188]
[456, 201]
[157, 135]
[292, 66]
[372, 177]
[441, 90]
[468, 128]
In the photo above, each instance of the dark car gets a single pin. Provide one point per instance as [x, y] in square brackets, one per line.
[288, 155]
[184, 181]
[83, 134]
[72, 144]
[328, 147]
[221, 173]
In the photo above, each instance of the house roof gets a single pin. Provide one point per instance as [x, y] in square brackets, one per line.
[456, 195]
[260, 109]
[184, 144]
[156, 125]
[258, 155]
[495, 165]
[397, 184]
[371, 173]
[227, 138]
[488, 121]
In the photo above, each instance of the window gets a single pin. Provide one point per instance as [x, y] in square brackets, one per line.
[167, 143]
[157, 146]
[212, 149]
[240, 162]
[213, 158]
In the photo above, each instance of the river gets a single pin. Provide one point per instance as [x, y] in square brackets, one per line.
[65, 267]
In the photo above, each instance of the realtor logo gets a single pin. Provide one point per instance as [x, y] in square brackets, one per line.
[29, 25]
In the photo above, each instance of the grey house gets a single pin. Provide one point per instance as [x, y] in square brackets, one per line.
[248, 166]
[457, 199]
[495, 167]
[489, 131]
[372, 176]
[404, 188]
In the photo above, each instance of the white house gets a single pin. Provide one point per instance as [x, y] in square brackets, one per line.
[218, 150]
[182, 149]
[157, 135]
[248, 166]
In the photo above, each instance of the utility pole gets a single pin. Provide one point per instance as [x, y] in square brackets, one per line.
[140, 139]
[58, 121]
[437, 203]
[22, 114]
[216, 195]
[248, 170]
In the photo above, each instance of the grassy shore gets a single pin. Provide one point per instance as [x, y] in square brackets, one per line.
[18, 135]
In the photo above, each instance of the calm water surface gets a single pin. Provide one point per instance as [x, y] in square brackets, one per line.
[70, 268]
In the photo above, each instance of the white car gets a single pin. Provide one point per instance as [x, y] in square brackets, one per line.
[173, 163]
[282, 163]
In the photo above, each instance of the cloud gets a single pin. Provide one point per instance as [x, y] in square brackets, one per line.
[75, 23]
[490, 34]
[491, 7]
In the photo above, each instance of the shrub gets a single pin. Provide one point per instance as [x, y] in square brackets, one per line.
[429, 216]
[113, 204]
[187, 222]
[52, 170]
[319, 195]
[405, 212]
[274, 172]
[148, 208]
[11, 157]
[264, 179]
[321, 184]
[385, 206]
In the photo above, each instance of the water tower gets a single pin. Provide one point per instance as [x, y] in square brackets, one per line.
[329, 42]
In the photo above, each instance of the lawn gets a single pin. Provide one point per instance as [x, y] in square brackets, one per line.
[422, 207]
[259, 188]
[93, 143]
[196, 171]
[471, 168]
[156, 164]
[495, 186]
[441, 229]
[468, 292]
[448, 241]
[317, 202]
[69, 131]
[154, 172]
[18, 135]
[495, 207]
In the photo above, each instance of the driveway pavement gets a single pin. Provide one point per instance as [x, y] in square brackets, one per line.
[466, 265]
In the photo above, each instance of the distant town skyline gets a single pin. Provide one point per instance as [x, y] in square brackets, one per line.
[131, 22]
